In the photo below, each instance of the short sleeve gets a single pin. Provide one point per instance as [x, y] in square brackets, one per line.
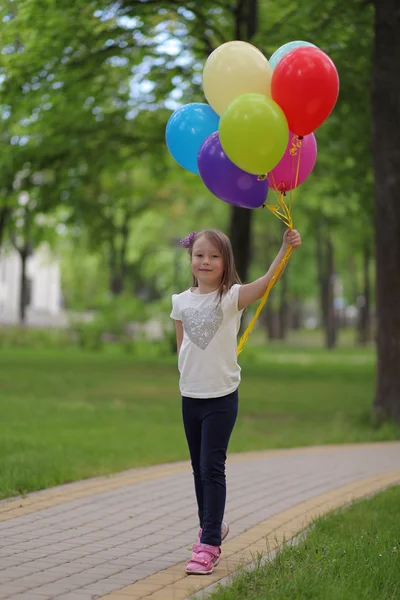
[176, 313]
[232, 298]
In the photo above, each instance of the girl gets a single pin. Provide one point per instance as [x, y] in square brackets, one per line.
[207, 318]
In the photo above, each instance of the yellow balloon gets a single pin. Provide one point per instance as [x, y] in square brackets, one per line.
[233, 69]
[254, 133]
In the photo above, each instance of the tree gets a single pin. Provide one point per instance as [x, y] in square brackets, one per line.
[66, 101]
[4, 215]
[82, 91]
[386, 159]
[79, 100]
[245, 27]
[28, 229]
[106, 209]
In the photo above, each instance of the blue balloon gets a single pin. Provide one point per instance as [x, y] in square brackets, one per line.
[280, 53]
[187, 128]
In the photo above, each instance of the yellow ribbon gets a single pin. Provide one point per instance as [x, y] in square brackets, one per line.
[283, 212]
[271, 284]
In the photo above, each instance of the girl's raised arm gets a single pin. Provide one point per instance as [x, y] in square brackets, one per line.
[251, 292]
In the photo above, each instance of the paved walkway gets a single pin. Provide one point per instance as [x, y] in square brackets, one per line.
[107, 537]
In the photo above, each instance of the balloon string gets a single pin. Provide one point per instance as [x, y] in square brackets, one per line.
[283, 212]
[295, 151]
[271, 284]
[277, 188]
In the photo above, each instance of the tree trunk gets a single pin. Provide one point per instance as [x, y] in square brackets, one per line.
[23, 289]
[272, 321]
[364, 324]
[386, 162]
[240, 236]
[283, 309]
[4, 214]
[331, 323]
[24, 253]
[116, 284]
[295, 312]
[246, 22]
[117, 258]
[354, 282]
[321, 274]
[326, 278]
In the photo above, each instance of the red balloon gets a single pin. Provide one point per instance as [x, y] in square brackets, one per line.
[305, 84]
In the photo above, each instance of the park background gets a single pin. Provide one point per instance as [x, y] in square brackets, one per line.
[92, 208]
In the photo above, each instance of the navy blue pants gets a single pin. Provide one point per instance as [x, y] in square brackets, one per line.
[208, 426]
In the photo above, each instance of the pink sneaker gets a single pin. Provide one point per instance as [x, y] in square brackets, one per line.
[224, 534]
[203, 560]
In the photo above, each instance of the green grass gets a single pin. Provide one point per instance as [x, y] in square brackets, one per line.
[350, 555]
[68, 415]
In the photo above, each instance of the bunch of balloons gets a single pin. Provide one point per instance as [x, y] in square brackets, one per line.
[259, 115]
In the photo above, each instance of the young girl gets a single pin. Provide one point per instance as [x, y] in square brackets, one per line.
[207, 318]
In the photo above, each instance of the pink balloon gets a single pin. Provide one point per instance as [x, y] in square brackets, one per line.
[283, 177]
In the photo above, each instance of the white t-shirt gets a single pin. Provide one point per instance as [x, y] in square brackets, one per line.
[208, 357]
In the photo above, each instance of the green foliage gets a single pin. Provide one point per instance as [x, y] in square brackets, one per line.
[84, 277]
[112, 320]
[35, 339]
[84, 112]
[350, 554]
[89, 335]
[116, 313]
[51, 398]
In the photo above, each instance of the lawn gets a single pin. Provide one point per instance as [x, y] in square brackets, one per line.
[68, 414]
[349, 555]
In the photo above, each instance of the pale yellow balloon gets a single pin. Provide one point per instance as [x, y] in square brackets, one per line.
[233, 69]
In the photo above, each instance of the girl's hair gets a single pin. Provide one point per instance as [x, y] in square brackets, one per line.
[223, 244]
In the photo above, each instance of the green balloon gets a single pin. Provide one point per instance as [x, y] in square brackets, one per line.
[254, 133]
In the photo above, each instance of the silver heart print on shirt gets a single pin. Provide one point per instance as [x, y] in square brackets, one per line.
[202, 325]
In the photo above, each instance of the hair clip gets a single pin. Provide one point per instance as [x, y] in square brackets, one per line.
[188, 240]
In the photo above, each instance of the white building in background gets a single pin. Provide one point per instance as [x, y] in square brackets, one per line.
[44, 298]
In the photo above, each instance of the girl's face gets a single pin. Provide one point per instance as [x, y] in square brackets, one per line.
[207, 262]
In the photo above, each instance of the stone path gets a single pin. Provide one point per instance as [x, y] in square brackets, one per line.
[127, 536]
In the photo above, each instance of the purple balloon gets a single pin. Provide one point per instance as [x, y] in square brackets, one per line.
[283, 176]
[225, 180]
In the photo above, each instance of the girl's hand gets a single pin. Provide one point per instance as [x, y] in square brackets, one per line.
[291, 237]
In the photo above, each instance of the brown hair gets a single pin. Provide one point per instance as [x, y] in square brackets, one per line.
[223, 244]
